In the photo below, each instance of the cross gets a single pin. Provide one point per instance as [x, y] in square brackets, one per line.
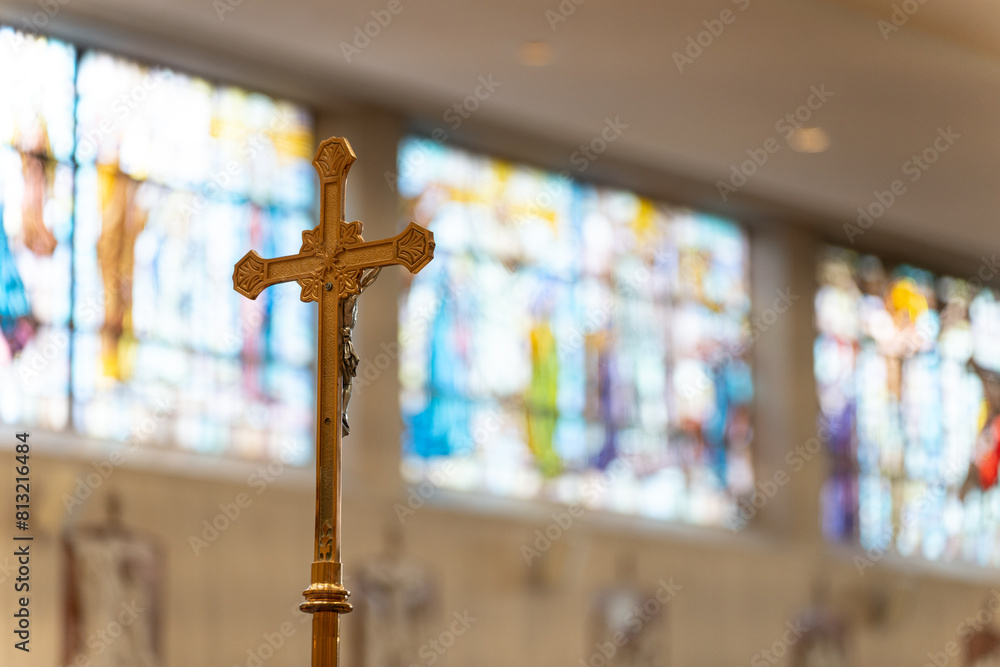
[334, 265]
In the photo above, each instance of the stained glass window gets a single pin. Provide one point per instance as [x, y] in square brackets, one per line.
[906, 367]
[127, 194]
[573, 343]
[36, 206]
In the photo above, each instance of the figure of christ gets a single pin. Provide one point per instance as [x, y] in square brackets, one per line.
[349, 356]
[122, 220]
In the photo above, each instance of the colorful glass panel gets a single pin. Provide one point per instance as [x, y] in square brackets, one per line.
[149, 193]
[36, 206]
[573, 343]
[907, 372]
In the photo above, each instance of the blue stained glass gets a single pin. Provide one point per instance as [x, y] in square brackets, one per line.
[444, 422]
[36, 202]
[134, 190]
[573, 343]
[904, 362]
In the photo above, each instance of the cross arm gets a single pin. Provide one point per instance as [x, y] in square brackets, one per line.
[412, 248]
[253, 274]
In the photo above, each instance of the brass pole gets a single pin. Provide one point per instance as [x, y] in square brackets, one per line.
[326, 597]
[326, 639]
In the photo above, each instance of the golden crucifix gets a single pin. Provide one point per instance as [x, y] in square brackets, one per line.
[334, 265]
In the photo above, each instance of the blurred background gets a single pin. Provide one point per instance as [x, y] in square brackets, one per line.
[704, 372]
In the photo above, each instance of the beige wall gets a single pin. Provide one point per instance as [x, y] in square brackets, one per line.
[738, 590]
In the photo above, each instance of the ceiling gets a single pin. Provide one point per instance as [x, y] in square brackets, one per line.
[891, 92]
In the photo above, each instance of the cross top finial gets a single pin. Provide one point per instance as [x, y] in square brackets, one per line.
[334, 158]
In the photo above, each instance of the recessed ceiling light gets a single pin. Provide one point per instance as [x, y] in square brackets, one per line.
[535, 54]
[809, 140]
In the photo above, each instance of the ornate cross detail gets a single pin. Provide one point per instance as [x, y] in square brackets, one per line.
[334, 265]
